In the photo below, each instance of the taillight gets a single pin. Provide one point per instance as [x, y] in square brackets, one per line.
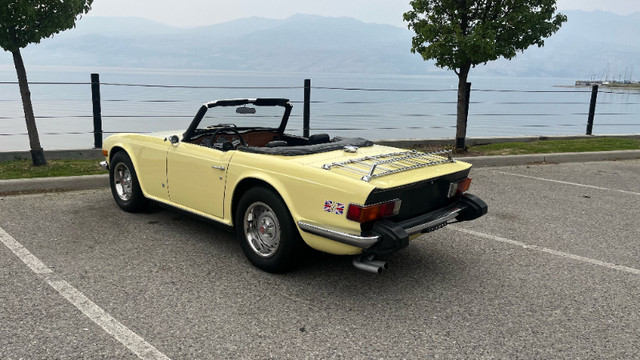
[366, 213]
[459, 187]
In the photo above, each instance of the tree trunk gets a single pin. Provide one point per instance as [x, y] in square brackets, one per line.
[37, 153]
[463, 108]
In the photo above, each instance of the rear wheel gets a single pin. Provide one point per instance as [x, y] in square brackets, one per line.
[266, 231]
[124, 183]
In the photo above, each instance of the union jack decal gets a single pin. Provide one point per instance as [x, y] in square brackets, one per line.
[333, 207]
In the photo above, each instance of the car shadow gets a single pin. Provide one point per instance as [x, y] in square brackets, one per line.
[422, 262]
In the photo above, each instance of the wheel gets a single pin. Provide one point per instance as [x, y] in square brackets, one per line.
[266, 231]
[124, 183]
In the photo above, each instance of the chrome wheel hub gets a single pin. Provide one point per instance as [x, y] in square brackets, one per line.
[262, 229]
[122, 181]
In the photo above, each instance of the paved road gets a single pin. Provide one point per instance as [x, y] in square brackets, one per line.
[553, 271]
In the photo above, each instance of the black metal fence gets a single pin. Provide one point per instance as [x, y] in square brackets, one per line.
[514, 99]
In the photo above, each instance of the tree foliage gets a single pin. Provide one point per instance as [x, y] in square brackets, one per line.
[460, 34]
[457, 33]
[23, 22]
[29, 21]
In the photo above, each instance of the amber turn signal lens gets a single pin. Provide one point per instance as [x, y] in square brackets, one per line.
[464, 185]
[459, 187]
[105, 153]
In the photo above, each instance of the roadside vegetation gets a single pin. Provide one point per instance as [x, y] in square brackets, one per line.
[19, 169]
[543, 147]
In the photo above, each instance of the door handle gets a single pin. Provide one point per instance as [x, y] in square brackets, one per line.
[218, 167]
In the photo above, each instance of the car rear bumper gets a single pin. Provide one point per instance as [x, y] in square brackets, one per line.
[389, 236]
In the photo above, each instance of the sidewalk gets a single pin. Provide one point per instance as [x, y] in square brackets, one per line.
[102, 181]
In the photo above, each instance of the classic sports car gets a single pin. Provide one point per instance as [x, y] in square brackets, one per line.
[280, 191]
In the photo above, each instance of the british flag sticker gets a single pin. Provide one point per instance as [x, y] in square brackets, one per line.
[333, 207]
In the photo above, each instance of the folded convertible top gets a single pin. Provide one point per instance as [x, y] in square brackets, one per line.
[337, 144]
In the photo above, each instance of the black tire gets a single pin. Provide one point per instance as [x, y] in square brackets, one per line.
[124, 183]
[266, 232]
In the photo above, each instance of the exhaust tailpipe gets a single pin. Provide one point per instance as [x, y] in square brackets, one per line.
[366, 263]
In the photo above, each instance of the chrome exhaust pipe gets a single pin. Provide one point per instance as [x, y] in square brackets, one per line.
[367, 263]
[382, 264]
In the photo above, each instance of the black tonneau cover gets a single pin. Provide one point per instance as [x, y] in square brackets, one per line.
[336, 144]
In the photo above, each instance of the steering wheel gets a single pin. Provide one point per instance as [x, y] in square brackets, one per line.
[227, 129]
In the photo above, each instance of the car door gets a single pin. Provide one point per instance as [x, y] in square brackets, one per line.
[196, 177]
[149, 154]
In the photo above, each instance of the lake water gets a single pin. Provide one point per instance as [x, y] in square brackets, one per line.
[370, 106]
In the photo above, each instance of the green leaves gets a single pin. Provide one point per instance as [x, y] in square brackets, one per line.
[28, 21]
[465, 33]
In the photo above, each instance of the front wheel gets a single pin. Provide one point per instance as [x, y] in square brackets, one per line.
[124, 183]
[266, 231]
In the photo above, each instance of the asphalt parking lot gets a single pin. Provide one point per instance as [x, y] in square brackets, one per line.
[553, 271]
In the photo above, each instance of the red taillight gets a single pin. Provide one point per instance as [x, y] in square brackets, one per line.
[366, 213]
[459, 187]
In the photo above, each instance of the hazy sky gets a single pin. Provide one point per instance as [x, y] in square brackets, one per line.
[191, 13]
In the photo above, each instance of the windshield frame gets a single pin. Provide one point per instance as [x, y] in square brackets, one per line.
[285, 103]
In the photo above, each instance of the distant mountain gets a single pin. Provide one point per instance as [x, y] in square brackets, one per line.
[302, 43]
[590, 44]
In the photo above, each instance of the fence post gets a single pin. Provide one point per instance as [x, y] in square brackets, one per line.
[306, 110]
[592, 109]
[97, 111]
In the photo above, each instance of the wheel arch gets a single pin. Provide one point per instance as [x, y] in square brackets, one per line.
[114, 150]
[129, 151]
[243, 186]
[136, 200]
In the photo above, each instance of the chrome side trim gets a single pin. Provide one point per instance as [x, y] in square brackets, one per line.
[439, 221]
[339, 236]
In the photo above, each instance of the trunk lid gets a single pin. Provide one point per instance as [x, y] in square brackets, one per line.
[386, 167]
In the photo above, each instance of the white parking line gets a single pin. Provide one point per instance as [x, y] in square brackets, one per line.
[567, 183]
[113, 327]
[548, 251]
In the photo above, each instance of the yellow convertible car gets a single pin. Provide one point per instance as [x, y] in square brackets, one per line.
[235, 164]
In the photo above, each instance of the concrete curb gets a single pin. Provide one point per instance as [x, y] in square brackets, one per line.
[102, 181]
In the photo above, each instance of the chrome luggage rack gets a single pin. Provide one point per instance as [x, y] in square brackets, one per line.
[386, 164]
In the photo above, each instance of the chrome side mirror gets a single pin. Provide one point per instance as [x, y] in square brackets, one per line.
[173, 139]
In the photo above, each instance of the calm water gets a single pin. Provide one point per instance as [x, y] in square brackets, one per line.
[370, 106]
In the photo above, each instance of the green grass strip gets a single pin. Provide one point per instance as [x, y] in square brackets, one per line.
[20, 169]
[557, 146]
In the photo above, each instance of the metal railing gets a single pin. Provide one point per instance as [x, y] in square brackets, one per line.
[346, 104]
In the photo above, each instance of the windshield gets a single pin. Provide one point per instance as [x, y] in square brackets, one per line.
[243, 116]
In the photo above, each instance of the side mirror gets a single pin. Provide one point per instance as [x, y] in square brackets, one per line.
[173, 139]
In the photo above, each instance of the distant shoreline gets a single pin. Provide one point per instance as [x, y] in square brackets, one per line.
[609, 84]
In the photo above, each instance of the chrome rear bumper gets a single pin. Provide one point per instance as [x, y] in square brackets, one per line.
[388, 236]
[339, 236]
